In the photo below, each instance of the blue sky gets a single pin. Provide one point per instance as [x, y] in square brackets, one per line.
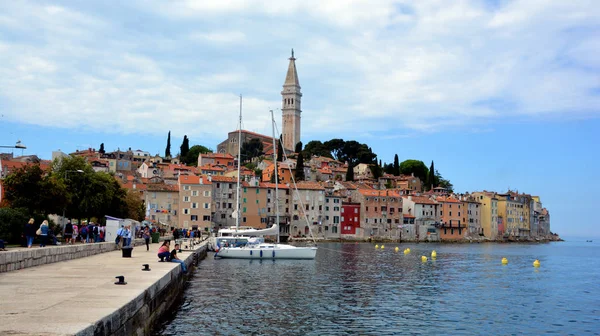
[499, 93]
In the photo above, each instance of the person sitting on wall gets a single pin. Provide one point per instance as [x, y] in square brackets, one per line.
[2, 245]
[163, 251]
[176, 259]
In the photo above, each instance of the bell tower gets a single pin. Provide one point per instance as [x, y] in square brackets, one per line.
[291, 106]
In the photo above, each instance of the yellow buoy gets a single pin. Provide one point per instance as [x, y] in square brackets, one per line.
[536, 263]
[396, 249]
[382, 246]
[376, 246]
[423, 258]
[504, 261]
[433, 254]
[406, 251]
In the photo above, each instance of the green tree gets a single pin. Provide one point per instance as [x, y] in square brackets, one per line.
[184, 149]
[376, 170]
[442, 182]
[12, 222]
[168, 149]
[350, 172]
[135, 206]
[416, 167]
[298, 148]
[336, 148]
[396, 166]
[299, 173]
[388, 168]
[431, 178]
[101, 150]
[317, 148]
[251, 149]
[35, 190]
[280, 149]
[191, 159]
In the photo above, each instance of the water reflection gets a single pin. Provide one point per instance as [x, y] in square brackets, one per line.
[353, 289]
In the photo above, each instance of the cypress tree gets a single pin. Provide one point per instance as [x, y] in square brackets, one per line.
[298, 148]
[101, 150]
[396, 166]
[431, 177]
[299, 174]
[168, 150]
[280, 149]
[350, 172]
[185, 148]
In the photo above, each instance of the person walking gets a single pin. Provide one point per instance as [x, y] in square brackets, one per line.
[83, 233]
[146, 236]
[163, 251]
[68, 233]
[119, 238]
[75, 233]
[29, 232]
[2, 248]
[127, 236]
[43, 233]
[90, 232]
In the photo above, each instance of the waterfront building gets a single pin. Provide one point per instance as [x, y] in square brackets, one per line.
[536, 210]
[283, 201]
[451, 215]
[195, 202]
[253, 201]
[510, 209]
[218, 159]
[489, 214]
[473, 220]
[308, 203]
[333, 214]
[162, 202]
[426, 220]
[544, 219]
[224, 191]
[381, 212]
[350, 221]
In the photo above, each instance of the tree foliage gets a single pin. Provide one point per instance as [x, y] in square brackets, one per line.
[350, 173]
[432, 180]
[35, 190]
[280, 149]
[415, 167]
[12, 222]
[388, 168]
[168, 149]
[191, 159]
[396, 171]
[135, 206]
[184, 149]
[317, 148]
[376, 170]
[444, 183]
[251, 149]
[299, 173]
[298, 148]
[101, 150]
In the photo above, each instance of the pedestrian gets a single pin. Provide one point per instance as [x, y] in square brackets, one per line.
[75, 233]
[83, 232]
[29, 232]
[163, 251]
[119, 238]
[146, 236]
[2, 245]
[68, 233]
[43, 233]
[96, 230]
[127, 236]
[90, 232]
[176, 259]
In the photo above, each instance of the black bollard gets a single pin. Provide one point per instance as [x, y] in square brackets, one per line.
[146, 267]
[121, 280]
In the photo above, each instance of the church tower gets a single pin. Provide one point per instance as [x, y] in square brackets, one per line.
[291, 98]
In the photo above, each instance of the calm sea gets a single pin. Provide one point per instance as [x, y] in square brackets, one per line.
[355, 289]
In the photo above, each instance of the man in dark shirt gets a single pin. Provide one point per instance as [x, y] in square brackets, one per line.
[176, 259]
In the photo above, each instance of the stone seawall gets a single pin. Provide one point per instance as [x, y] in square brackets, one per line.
[141, 314]
[24, 258]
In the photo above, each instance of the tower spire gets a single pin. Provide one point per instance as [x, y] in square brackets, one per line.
[291, 106]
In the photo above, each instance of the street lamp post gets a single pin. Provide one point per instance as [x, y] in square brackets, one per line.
[66, 173]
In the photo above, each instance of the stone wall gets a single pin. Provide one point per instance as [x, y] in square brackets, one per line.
[140, 315]
[15, 260]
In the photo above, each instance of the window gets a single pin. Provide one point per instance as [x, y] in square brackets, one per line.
[194, 205]
[355, 210]
[186, 198]
[187, 187]
[194, 192]
[206, 205]
[336, 208]
[218, 185]
[245, 200]
[327, 200]
[257, 191]
[307, 207]
[295, 206]
[244, 218]
[223, 216]
[207, 193]
[326, 208]
[206, 218]
[245, 189]
[194, 218]
[244, 211]
[186, 211]
[336, 219]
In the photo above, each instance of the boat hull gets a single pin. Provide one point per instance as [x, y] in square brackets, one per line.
[271, 252]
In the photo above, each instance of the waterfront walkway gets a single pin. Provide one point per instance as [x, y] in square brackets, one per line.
[70, 297]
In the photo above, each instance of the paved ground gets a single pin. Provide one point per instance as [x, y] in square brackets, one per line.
[66, 297]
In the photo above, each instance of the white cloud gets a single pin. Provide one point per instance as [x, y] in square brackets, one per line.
[424, 65]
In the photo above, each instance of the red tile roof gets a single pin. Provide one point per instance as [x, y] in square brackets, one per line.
[421, 200]
[270, 185]
[308, 185]
[224, 179]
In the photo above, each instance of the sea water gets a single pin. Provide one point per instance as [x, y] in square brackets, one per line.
[356, 289]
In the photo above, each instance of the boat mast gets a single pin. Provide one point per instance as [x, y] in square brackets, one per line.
[276, 177]
[239, 156]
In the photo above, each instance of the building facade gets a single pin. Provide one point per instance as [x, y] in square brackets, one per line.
[195, 202]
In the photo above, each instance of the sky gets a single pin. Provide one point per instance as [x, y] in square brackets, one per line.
[499, 94]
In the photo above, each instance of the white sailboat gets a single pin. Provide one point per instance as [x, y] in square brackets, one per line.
[256, 248]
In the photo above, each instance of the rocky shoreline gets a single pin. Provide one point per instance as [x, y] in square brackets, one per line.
[466, 240]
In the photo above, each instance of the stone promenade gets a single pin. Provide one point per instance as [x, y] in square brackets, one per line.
[79, 297]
